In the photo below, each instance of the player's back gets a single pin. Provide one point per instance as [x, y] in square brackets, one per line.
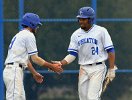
[17, 51]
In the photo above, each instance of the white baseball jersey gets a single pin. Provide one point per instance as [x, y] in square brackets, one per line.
[91, 45]
[21, 47]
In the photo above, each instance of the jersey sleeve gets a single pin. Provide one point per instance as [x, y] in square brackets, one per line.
[73, 48]
[107, 42]
[31, 45]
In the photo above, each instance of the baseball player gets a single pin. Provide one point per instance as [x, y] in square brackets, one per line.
[21, 49]
[93, 46]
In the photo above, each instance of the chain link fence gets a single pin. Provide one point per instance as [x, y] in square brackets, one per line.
[59, 22]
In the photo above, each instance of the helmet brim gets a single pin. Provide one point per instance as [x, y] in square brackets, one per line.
[81, 16]
[40, 24]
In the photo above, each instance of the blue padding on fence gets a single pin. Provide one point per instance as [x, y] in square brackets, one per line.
[74, 20]
[44, 20]
[47, 72]
[77, 71]
[11, 20]
[114, 19]
[124, 71]
[59, 20]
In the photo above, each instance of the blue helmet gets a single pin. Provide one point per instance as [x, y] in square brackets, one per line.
[31, 20]
[86, 12]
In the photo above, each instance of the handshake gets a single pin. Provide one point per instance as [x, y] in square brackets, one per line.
[56, 67]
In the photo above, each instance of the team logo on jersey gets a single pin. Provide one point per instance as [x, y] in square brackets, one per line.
[87, 40]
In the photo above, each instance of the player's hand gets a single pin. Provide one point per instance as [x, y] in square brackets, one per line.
[111, 73]
[56, 62]
[56, 68]
[38, 77]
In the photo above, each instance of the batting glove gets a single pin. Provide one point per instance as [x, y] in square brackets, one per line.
[111, 73]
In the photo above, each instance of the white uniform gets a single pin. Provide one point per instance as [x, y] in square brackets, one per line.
[91, 48]
[21, 47]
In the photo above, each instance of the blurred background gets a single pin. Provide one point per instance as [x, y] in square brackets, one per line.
[59, 22]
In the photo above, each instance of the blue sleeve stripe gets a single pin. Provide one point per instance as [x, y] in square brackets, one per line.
[72, 50]
[108, 47]
[32, 52]
[111, 50]
[73, 53]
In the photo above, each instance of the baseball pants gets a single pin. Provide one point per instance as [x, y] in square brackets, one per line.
[13, 79]
[91, 79]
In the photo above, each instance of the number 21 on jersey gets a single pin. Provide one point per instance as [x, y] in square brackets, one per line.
[94, 50]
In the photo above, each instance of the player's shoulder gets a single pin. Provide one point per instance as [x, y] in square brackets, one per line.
[76, 32]
[101, 28]
[104, 32]
[25, 33]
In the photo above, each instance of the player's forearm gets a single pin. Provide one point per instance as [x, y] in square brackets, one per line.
[111, 58]
[31, 68]
[68, 59]
[63, 62]
[38, 60]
